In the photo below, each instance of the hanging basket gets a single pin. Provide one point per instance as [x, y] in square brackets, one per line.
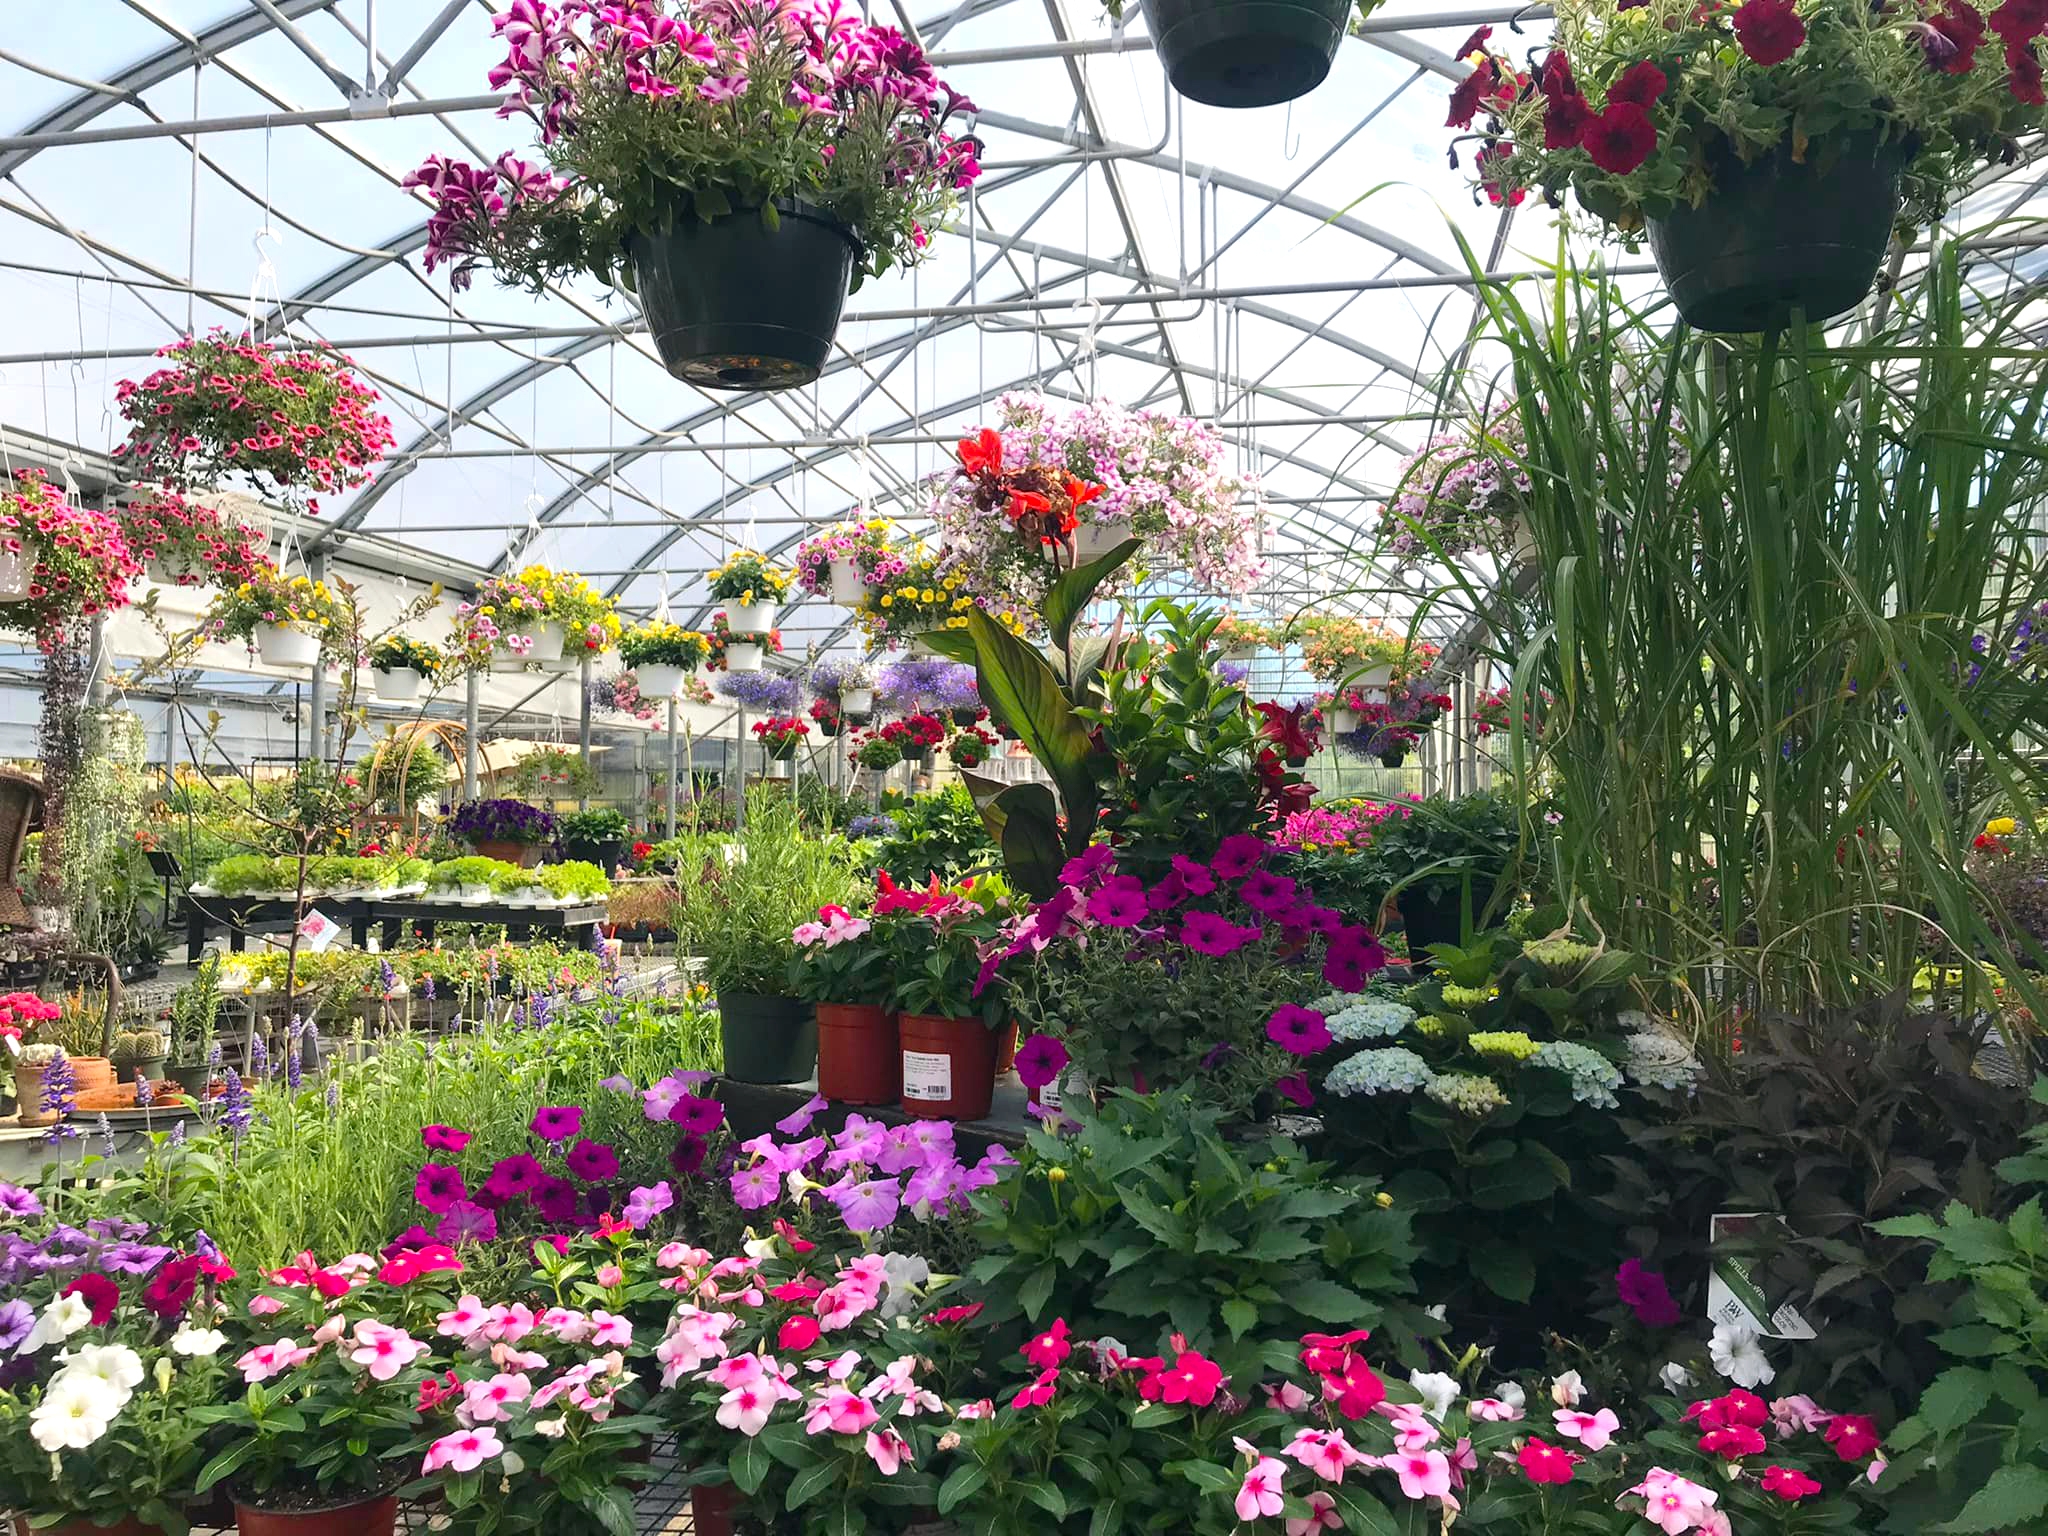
[280, 645]
[743, 656]
[849, 589]
[545, 644]
[1780, 236]
[1246, 53]
[750, 618]
[733, 304]
[659, 679]
[1343, 721]
[398, 685]
[16, 569]
[857, 702]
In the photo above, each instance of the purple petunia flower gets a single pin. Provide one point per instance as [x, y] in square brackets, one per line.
[132, 1258]
[1208, 934]
[557, 1122]
[920, 1144]
[1238, 855]
[860, 1140]
[699, 1117]
[1121, 903]
[798, 1120]
[1263, 891]
[19, 1203]
[442, 1138]
[439, 1186]
[17, 1322]
[1299, 1030]
[866, 1206]
[664, 1096]
[466, 1222]
[1040, 1059]
[755, 1187]
[687, 1156]
[647, 1202]
[1647, 1295]
[592, 1161]
[520, 1174]
[618, 1082]
[555, 1199]
[1294, 1088]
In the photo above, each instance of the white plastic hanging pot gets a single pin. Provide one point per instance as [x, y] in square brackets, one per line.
[1243, 655]
[849, 589]
[1525, 551]
[779, 767]
[15, 570]
[1094, 540]
[659, 679]
[1377, 676]
[398, 685]
[1343, 721]
[546, 638]
[743, 655]
[280, 645]
[857, 701]
[750, 618]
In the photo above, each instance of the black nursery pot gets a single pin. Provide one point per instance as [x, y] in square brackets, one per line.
[606, 853]
[1246, 53]
[733, 304]
[767, 1039]
[1779, 236]
[1435, 918]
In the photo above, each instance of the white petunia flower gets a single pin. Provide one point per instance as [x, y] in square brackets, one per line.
[75, 1411]
[1739, 1355]
[115, 1364]
[198, 1342]
[1566, 1390]
[1676, 1378]
[1438, 1391]
[61, 1319]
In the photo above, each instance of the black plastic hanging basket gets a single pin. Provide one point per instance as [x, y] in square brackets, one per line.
[733, 304]
[1779, 236]
[1246, 53]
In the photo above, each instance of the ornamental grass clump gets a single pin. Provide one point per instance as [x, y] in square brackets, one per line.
[663, 112]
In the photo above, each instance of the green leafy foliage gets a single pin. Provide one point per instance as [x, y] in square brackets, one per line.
[941, 833]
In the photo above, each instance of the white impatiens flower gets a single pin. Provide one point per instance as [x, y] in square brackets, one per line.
[115, 1364]
[1566, 1390]
[75, 1411]
[903, 1277]
[1511, 1393]
[198, 1342]
[1676, 1378]
[1739, 1355]
[61, 1319]
[1438, 1391]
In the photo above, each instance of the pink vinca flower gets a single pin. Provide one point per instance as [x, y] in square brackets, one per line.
[1592, 1430]
[382, 1350]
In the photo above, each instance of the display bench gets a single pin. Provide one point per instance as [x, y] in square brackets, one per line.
[239, 916]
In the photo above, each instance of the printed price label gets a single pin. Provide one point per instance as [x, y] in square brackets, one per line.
[1736, 1290]
[927, 1076]
[319, 930]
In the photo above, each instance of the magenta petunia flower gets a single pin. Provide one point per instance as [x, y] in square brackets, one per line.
[1238, 856]
[439, 1186]
[1647, 1295]
[687, 1156]
[592, 1161]
[1208, 934]
[698, 1117]
[466, 1222]
[1039, 1060]
[555, 1200]
[520, 1174]
[443, 1138]
[1294, 1088]
[557, 1122]
[1169, 893]
[1193, 876]
[1119, 905]
[1266, 892]
[1301, 1031]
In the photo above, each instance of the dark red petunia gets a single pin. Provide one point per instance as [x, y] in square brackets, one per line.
[1473, 44]
[172, 1287]
[97, 1292]
[1557, 79]
[1640, 83]
[1951, 37]
[1769, 31]
[2024, 67]
[1564, 121]
[1470, 91]
[2020, 21]
[1621, 138]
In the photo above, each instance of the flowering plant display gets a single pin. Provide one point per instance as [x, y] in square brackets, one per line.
[295, 421]
[721, 635]
[74, 563]
[840, 958]
[916, 683]
[916, 734]
[865, 545]
[1335, 647]
[1225, 954]
[1638, 109]
[876, 750]
[1460, 492]
[1389, 728]
[394, 651]
[1234, 632]
[747, 576]
[781, 735]
[1164, 480]
[112, 1350]
[938, 936]
[505, 610]
[917, 598]
[740, 108]
[835, 679]
[188, 542]
[825, 712]
[271, 597]
[659, 643]
[770, 691]
[501, 821]
[970, 746]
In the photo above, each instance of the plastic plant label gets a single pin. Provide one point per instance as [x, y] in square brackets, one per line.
[318, 931]
[927, 1076]
[1735, 1292]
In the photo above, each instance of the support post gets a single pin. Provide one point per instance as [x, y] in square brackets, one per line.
[583, 725]
[675, 787]
[472, 686]
[736, 769]
[317, 738]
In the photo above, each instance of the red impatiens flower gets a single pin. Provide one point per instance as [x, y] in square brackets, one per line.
[1951, 36]
[1769, 31]
[1622, 137]
[1641, 83]
[1789, 1484]
[1544, 1463]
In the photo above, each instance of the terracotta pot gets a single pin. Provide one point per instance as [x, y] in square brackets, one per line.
[949, 1067]
[365, 1517]
[860, 1057]
[525, 855]
[711, 1507]
[1006, 1048]
[92, 1072]
[129, 1527]
[28, 1097]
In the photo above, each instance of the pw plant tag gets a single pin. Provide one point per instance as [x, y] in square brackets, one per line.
[1736, 1293]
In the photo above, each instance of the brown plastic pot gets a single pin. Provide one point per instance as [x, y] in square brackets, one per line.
[129, 1527]
[860, 1057]
[366, 1517]
[711, 1506]
[949, 1067]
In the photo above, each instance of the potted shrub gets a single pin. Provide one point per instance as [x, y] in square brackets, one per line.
[738, 915]
[846, 559]
[1768, 152]
[948, 1024]
[1246, 53]
[1430, 854]
[290, 621]
[138, 1053]
[780, 736]
[407, 773]
[751, 586]
[295, 422]
[598, 836]
[970, 747]
[841, 966]
[507, 830]
[736, 186]
[188, 543]
[57, 562]
[660, 655]
[400, 664]
[877, 750]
